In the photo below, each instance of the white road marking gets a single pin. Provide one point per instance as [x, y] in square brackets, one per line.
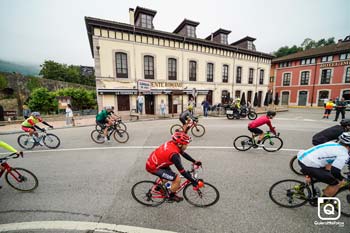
[137, 147]
[75, 225]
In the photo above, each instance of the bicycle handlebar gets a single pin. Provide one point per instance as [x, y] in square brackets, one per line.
[12, 156]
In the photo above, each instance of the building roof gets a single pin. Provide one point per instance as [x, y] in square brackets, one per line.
[91, 22]
[144, 11]
[217, 32]
[185, 22]
[341, 46]
[247, 38]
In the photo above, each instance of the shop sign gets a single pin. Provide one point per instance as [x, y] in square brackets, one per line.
[337, 63]
[167, 84]
[143, 85]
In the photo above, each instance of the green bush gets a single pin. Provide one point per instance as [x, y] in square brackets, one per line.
[81, 98]
[43, 101]
[3, 82]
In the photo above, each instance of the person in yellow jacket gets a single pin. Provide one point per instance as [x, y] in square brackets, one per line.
[328, 108]
[7, 147]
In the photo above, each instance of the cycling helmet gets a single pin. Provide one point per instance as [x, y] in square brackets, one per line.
[181, 138]
[344, 138]
[271, 113]
[108, 107]
[345, 122]
[190, 107]
[36, 114]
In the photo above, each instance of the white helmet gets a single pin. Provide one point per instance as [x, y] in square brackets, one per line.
[108, 107]
[36, 114]
[344, 138]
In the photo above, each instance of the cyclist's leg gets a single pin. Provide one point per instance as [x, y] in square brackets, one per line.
[168, 174]
[257, 132]
[324, 176]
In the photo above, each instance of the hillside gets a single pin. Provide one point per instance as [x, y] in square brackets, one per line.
[6, 66]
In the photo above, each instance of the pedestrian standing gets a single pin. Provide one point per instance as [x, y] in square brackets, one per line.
[328, 108]
[69, 115]
[340, 109]
[191, 103]
[26, 111]
[139, 103]
[162, 108]
[205, 105]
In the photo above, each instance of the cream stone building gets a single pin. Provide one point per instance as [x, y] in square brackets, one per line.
[135, 58]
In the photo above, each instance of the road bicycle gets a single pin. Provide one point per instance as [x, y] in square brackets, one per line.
[118, 124]
[50, 140]
[270, 143]
[119, 135]
[18, 178]
[155, 193]
[294, 193]
[196, 129]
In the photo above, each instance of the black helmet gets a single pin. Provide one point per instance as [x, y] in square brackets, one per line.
[345, 122]
[271, 113]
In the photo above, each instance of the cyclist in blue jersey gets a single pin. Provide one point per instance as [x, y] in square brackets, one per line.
[333, 154]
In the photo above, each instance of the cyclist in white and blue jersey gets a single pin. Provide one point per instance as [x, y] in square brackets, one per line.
[333, 154]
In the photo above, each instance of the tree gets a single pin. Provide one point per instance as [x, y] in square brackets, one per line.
[43, 101]
[3, 82]
[81, 98]
[33, 83]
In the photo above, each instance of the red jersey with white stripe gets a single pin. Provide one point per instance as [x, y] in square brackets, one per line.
[161, 157]
[261, 121]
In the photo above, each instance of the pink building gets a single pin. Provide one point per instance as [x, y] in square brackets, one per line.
[310, 77]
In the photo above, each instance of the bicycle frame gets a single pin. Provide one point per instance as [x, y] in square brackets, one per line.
[7, 168]
[160, 181]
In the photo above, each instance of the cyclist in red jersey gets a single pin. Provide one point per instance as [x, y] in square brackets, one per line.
[167, 154]
[253, 125]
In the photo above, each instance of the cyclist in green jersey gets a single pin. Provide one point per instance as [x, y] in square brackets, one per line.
[104, 120]
[7, 147]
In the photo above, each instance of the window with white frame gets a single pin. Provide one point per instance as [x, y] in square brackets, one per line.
[251, 76]
[172, 69]
[286, 79]
[304, 78]
[261, 78]
[210, 72]
[326, 76]
[344, 56]
[121, 65]
[327, 59]
[225, 73]
[347, 75]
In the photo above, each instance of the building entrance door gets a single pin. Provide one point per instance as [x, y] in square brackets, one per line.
[172, 109]
[149, 104]
[285, 98]
[123, 102]
[302, 98]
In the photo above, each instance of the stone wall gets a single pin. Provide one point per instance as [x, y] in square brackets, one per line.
[22, 87]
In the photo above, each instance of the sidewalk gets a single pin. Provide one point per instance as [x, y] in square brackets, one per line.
[59, 121]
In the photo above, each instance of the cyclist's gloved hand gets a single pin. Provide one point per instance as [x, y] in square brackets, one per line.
[198, 163]
[43, 130]
[51, 127]
[199, 185]
[20, 153]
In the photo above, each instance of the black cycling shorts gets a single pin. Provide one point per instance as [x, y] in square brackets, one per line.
[166, 173]
[183, 121]
[320, 174]
[102, 124]
[256, 130]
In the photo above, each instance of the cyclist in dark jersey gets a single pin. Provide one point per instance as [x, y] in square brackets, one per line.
[163, 157]
[331, 133]
[186, 117]
[104, 120]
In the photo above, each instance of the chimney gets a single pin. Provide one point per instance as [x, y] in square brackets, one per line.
[340, 40]
[132, 16]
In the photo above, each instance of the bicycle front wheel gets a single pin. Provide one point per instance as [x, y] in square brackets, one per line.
[175, 128]
[51, 141]
[243, 143]
[290, 193]
[344, 198]
[272, 144]
[97, 136]
[21, 179]
[121, 125]
[294, 166]
[25, 141]
[198, 130]
[206, 196]
[145, 193]
[121, 135]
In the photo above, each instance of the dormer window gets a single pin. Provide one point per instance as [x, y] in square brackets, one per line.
[146, 21]
[223, 39]
[191, 31]
[250, 45]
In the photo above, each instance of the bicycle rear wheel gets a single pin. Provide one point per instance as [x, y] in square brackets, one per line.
[252, 115]
[243, 143]
[290, 193]
[198, 130]
[272, 144]
[121, 135]
[97, 136]
[51, 141]
[145, 193]
[21, 179]
[344, 198]
[206, 196]
[174, 128]
[25, 141]
[294, 166]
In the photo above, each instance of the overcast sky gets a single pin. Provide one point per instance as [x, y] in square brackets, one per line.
[36, 30]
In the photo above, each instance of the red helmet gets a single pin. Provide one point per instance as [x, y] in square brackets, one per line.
[181, 138]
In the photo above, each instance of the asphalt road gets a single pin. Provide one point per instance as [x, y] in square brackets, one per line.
[85, 182]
